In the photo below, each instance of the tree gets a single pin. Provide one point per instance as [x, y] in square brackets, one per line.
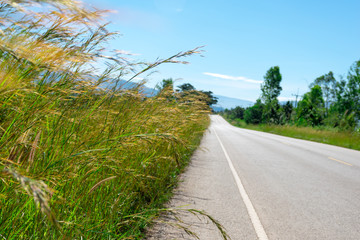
[211, 99]
[272, 111]
[287, 111]
[270, 92]
[165, 84]
[311, 107]
[186, 87]
[353, 87]
[187, 90]
[235, 113]
[238, 112]
[254, 114]
[271, 87]
[327, 82]
[346, 95]
[166, 89]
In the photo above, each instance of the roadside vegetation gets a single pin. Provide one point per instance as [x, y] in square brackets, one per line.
[317, 134]
[83, 157]
[328, 113]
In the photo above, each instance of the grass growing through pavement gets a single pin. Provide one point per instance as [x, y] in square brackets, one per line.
[329, 136]
[81, 157]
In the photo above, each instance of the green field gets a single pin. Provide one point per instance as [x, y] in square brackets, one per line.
[317, 134]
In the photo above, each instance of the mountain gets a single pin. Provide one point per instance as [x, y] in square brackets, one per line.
[148, 92]
[123, 84]
[228, 102]
[222, 104]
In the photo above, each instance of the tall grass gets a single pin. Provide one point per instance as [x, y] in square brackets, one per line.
[81, 157]
[320, 134]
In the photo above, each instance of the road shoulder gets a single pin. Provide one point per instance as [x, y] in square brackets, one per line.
[206, 185]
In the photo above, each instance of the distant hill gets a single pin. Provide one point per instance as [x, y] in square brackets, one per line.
[228, 102]
[148, 92]
[223, 102]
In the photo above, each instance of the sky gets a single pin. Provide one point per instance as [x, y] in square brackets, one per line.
[241, 39]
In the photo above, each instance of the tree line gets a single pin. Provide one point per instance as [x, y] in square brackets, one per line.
[184, 92]
[329, 102]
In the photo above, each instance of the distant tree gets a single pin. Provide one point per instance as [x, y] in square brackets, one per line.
[271, 87]
[211, 99]
[311, 107]
[341, 101]
[238, 112]
[346, 98]
[235, 113]
[353, 88]
[254, 114]
[186, 87]
[327, 82]
[187, 90]
[271, 111]
[287, 111]
[270, 92]
[166, 89]
[165, 84]
[344, 110]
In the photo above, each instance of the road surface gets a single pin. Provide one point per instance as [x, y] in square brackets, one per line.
[265, 186]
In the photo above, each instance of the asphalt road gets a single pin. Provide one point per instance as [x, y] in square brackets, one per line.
[264, 186]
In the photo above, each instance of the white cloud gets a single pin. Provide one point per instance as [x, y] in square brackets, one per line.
[125, 52]
[229, 85]
[245, 79]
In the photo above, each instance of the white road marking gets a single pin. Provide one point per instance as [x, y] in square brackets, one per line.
[259, 229]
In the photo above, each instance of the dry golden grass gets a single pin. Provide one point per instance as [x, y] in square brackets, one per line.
[80, 155]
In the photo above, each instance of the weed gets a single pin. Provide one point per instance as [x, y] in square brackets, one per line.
[79, 152]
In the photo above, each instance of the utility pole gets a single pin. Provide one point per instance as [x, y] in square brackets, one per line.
[296, 95]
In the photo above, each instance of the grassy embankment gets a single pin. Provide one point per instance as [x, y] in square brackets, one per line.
[317, 134]
[78, 160]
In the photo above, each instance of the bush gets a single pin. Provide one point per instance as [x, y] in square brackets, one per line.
[254, 114]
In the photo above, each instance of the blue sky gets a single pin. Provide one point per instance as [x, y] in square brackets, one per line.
[242, 40]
